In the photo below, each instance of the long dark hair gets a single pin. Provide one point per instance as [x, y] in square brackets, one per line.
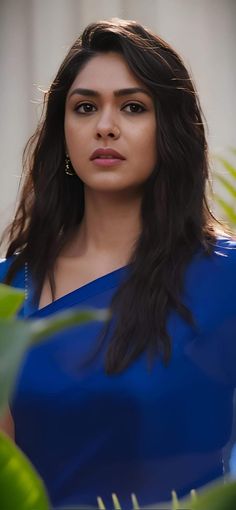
[176, 220]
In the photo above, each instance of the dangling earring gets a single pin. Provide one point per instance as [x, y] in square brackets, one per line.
[68, 168]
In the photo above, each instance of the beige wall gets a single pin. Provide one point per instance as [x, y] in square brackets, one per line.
[35, 35]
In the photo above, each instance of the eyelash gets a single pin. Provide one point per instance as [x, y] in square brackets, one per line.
[85, 104]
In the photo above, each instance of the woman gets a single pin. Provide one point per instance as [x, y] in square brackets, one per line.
[113, 214]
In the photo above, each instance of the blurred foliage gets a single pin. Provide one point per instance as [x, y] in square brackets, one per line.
[21, 488]
[215, 496]
[227, 178]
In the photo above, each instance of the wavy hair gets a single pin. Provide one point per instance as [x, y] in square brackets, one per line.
[176, 219]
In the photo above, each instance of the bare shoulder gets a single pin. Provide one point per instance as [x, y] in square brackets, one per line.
[7, 424]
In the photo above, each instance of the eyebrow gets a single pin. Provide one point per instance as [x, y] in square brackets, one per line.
[117, 93]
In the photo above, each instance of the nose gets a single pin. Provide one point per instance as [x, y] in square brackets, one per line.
[107, 127]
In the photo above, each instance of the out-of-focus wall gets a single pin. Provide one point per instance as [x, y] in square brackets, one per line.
[35, 36]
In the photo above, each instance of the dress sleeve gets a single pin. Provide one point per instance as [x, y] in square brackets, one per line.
[18, 279]
[213, 349]
[226, 333]
[228, 348]
[4, 265]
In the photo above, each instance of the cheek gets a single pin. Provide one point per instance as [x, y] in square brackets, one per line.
[146, 145]
[75, 137]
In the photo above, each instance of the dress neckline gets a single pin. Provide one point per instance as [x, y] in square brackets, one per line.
[76, 296]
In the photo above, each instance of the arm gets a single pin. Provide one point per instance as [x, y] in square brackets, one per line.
[7, 424]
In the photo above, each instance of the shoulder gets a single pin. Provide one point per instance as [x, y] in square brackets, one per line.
[222, 257]
[5, 264]
[214, 274]
[225, 247]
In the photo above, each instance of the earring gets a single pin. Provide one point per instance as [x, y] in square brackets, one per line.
[68, 168]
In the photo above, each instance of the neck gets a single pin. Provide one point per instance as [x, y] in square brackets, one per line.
[110, 227]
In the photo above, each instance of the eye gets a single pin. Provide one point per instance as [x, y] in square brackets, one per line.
[135, 108]
[84, 108]
[87, 108]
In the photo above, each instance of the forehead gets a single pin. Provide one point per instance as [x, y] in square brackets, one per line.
[103, 72]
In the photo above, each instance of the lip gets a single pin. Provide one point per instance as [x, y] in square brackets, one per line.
[98, 153]
[107, 161]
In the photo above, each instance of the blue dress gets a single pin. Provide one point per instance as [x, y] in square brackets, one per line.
[143, 432]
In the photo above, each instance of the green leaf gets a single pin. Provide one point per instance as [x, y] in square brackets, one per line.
[41, 329]
[228, 186]
[135, 502]
[230, 168]
[11, 300]
[228, 210]
[15, 336]
[116, 502]
[220, 497]
[20, 486]
[101, 505]
[193, 495]
[175, 501]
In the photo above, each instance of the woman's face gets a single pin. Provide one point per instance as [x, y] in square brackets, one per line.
[106, 116]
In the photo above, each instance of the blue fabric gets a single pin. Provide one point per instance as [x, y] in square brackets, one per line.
[147, 432]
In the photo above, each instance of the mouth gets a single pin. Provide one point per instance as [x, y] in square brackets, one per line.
[106, 153]
[107, 161]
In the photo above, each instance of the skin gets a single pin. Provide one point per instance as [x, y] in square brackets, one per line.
[7, 424]
[111, 221]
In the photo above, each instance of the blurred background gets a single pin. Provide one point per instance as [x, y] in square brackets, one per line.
[35, 36]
